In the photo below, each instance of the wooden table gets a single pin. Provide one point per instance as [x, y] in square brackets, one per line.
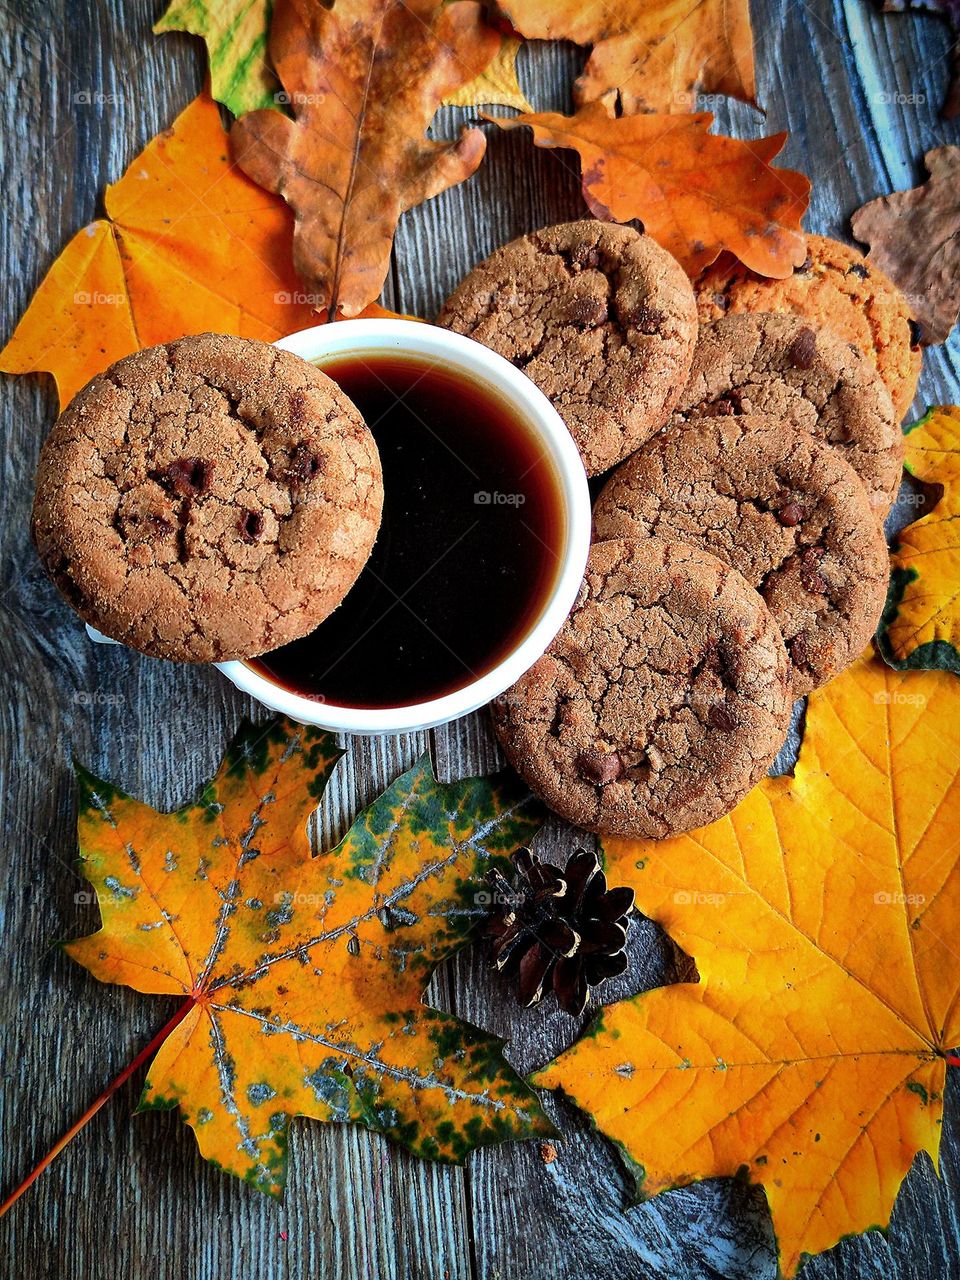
[87, 86]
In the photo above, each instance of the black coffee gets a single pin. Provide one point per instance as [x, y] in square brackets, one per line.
[468, 551]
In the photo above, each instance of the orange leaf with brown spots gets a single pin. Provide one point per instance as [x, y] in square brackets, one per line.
[697, 193]
[303, 976]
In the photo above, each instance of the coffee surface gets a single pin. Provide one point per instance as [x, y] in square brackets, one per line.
[468, 549]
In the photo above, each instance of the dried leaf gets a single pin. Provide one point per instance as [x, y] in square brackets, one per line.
[497, 86]
[650, 55]
[363, 81]
[697, 193]
[235, 33]
[914, 236]
[306, 973]
[949, 10]
[822, 918]
[189, 244]
[921, 623]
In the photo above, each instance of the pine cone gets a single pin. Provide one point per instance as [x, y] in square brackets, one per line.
[565, 927]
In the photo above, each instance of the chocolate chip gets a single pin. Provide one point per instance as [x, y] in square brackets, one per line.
[159, 526]
[798, 651]
[721, 718]
[916, 333]
[646, 319]
[584, 258]
[858, 269]
[296, 413]
[304, 464]
[804, 266]
[790, 514]
[802, 351]
[588, 313]
[251, 526]
[188, 477]
[810, 576]
[599, 767]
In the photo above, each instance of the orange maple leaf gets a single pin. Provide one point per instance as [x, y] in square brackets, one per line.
[188, 244]
[650, 55]
[821, 914]
[363, 80]
[697, 193]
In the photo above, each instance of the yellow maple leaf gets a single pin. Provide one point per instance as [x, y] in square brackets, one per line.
[822, 916]
[497, 85]
[921, 623]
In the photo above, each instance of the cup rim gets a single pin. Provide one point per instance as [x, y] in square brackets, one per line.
[418, 338]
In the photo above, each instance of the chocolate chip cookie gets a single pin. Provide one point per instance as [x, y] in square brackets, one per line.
[807, 377]
[780, 507]
[600, 317]
[835, 287]
[208, 499]
[662, 701]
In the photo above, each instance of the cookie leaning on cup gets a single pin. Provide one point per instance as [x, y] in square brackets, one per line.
[207, 500]
[779, 506]
[661, 702]
[600, 317]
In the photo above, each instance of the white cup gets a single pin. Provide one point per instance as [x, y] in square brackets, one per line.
[479, 365]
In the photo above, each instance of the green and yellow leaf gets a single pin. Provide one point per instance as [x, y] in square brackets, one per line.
[822, 916]
[235, 33]
[920, 627]
[306, 973]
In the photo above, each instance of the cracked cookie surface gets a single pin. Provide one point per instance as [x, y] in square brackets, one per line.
[809, 378]
[599, 316]
[781, 508]
[207, 500]
[662, 701]
[837, 287]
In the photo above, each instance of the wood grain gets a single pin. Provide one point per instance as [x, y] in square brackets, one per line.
[859, 94]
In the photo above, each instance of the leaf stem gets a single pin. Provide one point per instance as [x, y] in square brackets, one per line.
[95, 1106]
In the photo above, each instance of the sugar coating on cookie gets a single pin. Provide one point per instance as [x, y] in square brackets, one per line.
[662, 701]
[836, 287]
[780, 507]
[599, 316]
[209, 499]
[810, 378]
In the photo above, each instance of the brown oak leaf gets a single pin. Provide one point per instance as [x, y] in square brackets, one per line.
[363, 81]
[914, 236]
[649, 55]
